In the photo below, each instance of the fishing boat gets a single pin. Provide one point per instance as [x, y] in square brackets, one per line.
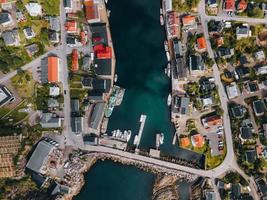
[166, 47]
[169, 100]
[161, 20]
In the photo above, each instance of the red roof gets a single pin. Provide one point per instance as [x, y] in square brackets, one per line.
[201, 43]
[71, 26]
[83, 38]
[188, 20]
[214, 120]
[242, 5]
[75, 63]
[3, 1]
[91, 11]
[53, 75]
[103, 52]
[198, 140]
[229, 4]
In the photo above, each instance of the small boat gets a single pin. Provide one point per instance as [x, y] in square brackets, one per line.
[166, 47]
[169, 100]
[129, 133]
[166, 71]
[135, 140]
[161, 20]
[169, 70]
[106, 1]
[108, 13]
[115, 78]
[161, 139]
[168, 56]
[161, 11]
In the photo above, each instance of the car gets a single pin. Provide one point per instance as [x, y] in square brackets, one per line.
[219, 133]
[220, 128]
[65, 92]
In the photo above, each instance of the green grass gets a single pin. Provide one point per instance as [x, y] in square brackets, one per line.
[51, 7]
[214, 161]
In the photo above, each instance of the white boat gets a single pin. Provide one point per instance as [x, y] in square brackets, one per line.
[168, 56]
[115, 78]
[161, 11]
[169, 100]
[166, 47]
[106, 1]
[113, 133]
[135, 140]
[129, 133]
[161, 139]
[166, 71]
[161, 20]
[116, 133]
[108, 13]
[169, 70]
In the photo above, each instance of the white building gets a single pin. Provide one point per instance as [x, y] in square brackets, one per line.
[34, 9]
[232, 90]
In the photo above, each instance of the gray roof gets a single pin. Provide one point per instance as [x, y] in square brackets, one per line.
[184, 108]
[102, 85]
[49, 121]
[67, 3]
[32, 48]
[246, 133]
[251, 156]
[29, 31]
[96, 115]
[77, 124]
[99, 30]
[54, 23]
[86, 62]
[4, 17]
[259, 107]
[39, 156]
[102, 66]
[75, 105]
[5, 95]
[195, 62]
[242, 30]
[9, 36]
[52, 103]
[53, 36]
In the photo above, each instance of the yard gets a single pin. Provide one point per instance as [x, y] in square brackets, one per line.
[214, 161]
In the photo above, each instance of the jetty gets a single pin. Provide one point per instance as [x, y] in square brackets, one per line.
[140, 132]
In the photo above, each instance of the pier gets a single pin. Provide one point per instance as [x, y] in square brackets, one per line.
[140, 132]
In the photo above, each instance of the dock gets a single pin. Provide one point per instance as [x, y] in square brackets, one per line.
[140, 132]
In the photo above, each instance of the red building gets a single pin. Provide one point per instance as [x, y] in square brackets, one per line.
[103, 52]
[75, 60]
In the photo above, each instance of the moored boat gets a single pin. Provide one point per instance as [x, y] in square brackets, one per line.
[169, 100]
[161, 20]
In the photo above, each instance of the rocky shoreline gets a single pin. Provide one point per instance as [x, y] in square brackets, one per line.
[89, 159]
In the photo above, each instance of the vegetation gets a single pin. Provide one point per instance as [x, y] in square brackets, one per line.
[256, 12]
[185, 6]
[234, 177]
[51, 7]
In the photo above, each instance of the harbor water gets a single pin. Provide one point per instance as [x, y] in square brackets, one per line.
[138, 41]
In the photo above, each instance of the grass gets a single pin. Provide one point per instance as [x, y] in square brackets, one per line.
[214, 161]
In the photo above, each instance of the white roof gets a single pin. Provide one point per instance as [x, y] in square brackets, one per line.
[262, 70]
[232, 91]
[207, 101]
[34, 9]
[168, 5]
[260, 55]
[2, 95]
[54, 91]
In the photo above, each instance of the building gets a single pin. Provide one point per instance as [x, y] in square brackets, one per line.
[184, 142]
[238, 111]
[252, 86]
[34, 9]
[207, 101]
[11, 37]
[54, 23]
[262, 70]
[48, 120]
[189, 22]
[86, 62]
[262, 186]
[264, 126]
[102, 67]
[232, 90]
[102, 52]
[5, 96]
[75, 105]
[242, 6]
[212, 3]
[196, 64]
[259, 55]
[243, 31]
[182, 105]
[99, 33]
[197, 140]
[242, 72]
[172, 24]
[32, 49]
[229, 5]
[92, 11]
[75, 60]
[53, 36]
[96, 115]
[246, 134]
[167, 5]
[5, 19]
[259, 107]
[77, 124]
[67, 5]
[53, 69]
[201, 44]
[213, 120]
[210, 195]
[225, 52]
[251, 155]
[54, 91]
[39, 157]
[52, 103]
[29, 33]
[71, 26]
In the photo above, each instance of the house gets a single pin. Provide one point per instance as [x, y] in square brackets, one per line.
[72, 41]
[232, 90]
[246, 134]
[207, 101]
[48, 120]
[212, 3]
[242, 6]
[238, 111]
[210, 195]
[264, 7]
[196, 64]
[67, 5]
[86, 62]
[75, 105]
[262, 70]
[189, 22]
[212, 120]
[87, 82]
[52, 103]
[54, 23]
[92, 11]
[225, 52]
[71, 26]
[242, 72]
[184, 142]
[20, 16]
[77, 124]
[178, 48]
[34, 9]
[75, 60]
[183, 105]
[53, 69]
[29, 33]
[262, 186]
[197, 140]
[243, 31]
[39, 157]
[258, 107]
[167, 5]
[236, 191]
[5, 96]
[243, 60]
[5, 19]
[172, 24]
[201, 44]
[250, 155]
[101, 85]
[215, 27]
[102, 67]
[53, 36]
[102, 52]
[96, 115]
[229, 5]
[54, 91]
[11, 37]
[259, 55]
[247, 123]
[252, 86]
[32, 49]
[99, 33]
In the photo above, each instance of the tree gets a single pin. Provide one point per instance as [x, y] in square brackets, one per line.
[256, 12]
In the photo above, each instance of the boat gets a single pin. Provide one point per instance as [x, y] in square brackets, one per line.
[169, 100]
[108, 13]
[115, 78]
[157, 140]
[120, 93]
[169, 70]
[129, 133]
[166, 71]
[106, 1]
[161, 139]
[161, 11]
[161, 20]
[135, 140]
[168, 56]
[166, 47]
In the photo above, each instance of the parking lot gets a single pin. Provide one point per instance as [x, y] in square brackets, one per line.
[216, 140]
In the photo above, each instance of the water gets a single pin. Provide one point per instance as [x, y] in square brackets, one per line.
[138, 42]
